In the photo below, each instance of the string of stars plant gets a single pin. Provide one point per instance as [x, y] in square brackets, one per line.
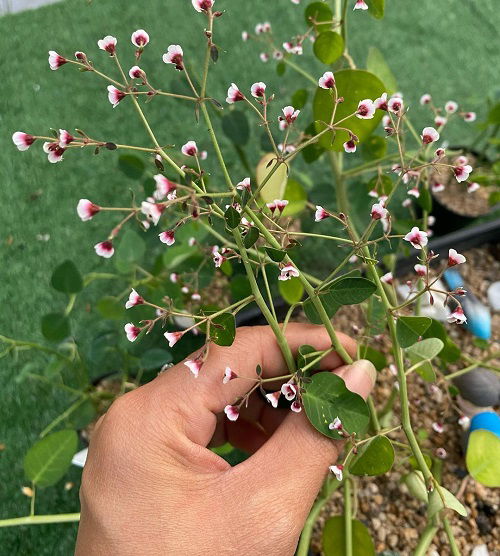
[250, 228]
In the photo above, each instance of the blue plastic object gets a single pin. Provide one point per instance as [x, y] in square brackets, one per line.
[478, 315]
[488, 420]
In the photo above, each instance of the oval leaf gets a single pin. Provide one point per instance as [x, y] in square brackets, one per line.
[222, 328]
[317, 12]
[329, 47]
[350, 291]
[374, 457]
[55, 327]
[48, 459]
[483, 455]
[233, 217]
[66, 278]
[275, 186]
[441, 498]
[329, 304]
[251, 237]
[291, 290]
[409, 329]
[327, 397]
[426, 349]
[131, 165]
[334, 538]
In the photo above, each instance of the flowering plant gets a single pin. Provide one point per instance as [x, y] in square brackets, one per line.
[201, 229]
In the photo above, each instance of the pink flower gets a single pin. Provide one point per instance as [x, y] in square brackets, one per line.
[273, 398]
[441, 453]
[473, 186]
[387, 278]
[417, 238]
[425, 99]
[245, 36]
[287, 272]
[104, 249]
[139, 38]
[350, 146]
[244, 184]
[54, 151]
[65, 138]
[378, 211]
[451, 107]
[22, 141]
[461, 160]
[395, 105]
[420, 269]
[429, 135]
[135, 72]
[108, 43]
[439, 153]
[437, 187]
[258, 89]
[173, 337]
[457, 316]
[327, 80]
[462, 172]
[190, 149]
[437, 427]
[202, 5]
[163, 187]
[234, 94]
[320, 214]
[81, 56]
[335, 425]
[414, 192]
[464, 422]
[264, 57]
[167, 237]
[366, 109]
[218, 259]
[196, 296]
[360, 5]
[194, 365]
[455, 258]
[281, 204]
[337, 469]
[232, 412]
[56, 60]
[115, 95]
[86, 209]
[296, 407]
[470, 116]
[289, 114]
[439, 121]
[381, 102]
[133, 299]
[152, 210]
[228, 375]
[289, 390]
[132, 331]
[262, 28]
[174, 55]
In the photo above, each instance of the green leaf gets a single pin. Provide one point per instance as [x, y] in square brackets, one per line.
[334, 538]
[303, 359]
[66, 278]
[316, 13]
[374, 147]
[373, 355]
[222, 328]
[329, 304]
[155, 358]
[233, 217]
[280, 68]
[327, 397]
[129, 251]
[494, 114]
[436, 502]
[450, 352]
[409, 329]
[376, 64]
[291, 290]
[296, 196]
[299, 98]
[313, 151]
[251, 237]
[376, 8]
[55, 327]
[349, 291]
[483, 455]
[375, 457]
[111, 308]
[376, 317]
[48, 459]
[240, 287]
[425, 349]
[353, 85]
[416, 485]
[235, 126]
[494, 198]
[276, 255]
[425, 199]
[275, 186]
[328, 47]
[131, 165]
[382, 184]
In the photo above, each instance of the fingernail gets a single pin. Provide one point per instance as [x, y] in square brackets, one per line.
[364, 366]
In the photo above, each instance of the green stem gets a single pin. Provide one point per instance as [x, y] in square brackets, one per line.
[347, 516]
[39, 519]
[425, 539]
[33, 498]
[451, 537]
[373, 414]
[298, 69]
[62, 416]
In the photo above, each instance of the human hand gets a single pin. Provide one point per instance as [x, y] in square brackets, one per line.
[151, 487]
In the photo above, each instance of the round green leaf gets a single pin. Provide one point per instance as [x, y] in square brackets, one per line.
[48, 460]
[483, 457]
[131, 165]
[409, 329]
[328, 302]
[222, 328]
[327, 397]
[353, 86]
[334, 538]
[233, 217]
[66, 278]
[291, 290]
[329, 47]
[316, 13]
[235, 126]
[275, 186]
[374, 457]
[296, 196]
[426, 349]
[251, 237]
[349, 291]
[55, 327]
[376, 357]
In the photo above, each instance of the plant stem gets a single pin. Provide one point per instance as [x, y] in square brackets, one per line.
[373, 414]
[451, 537]
[425, 539]
[39, 519]
[62, 416]
[347, 517]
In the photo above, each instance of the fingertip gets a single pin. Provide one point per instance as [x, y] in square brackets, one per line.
[359, 377]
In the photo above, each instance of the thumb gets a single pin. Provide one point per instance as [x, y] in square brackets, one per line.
[293, 463]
